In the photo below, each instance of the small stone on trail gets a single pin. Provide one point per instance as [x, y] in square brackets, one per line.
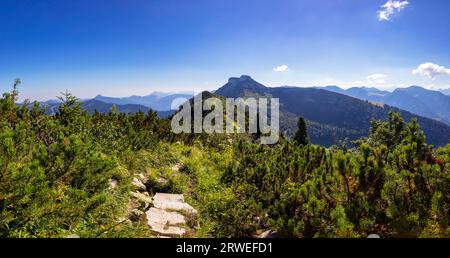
[73, 236]
[112, 184]
[138, 184]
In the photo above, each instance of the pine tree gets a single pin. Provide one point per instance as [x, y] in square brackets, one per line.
[301, 136]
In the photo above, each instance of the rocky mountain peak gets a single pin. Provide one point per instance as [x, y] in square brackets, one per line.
[237, 80]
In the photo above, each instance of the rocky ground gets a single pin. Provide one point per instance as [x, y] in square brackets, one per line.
[167, 214]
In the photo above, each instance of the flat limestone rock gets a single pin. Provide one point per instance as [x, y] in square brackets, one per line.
[165, 222]
[166, 197]
[172, 202]
[168, 231]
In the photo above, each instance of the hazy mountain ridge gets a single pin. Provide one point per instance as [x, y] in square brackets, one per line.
[94, 105]
[365, 93]
[157, 101]
[415, 99]
[445, 91]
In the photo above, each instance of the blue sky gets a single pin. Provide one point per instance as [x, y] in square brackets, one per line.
[121, 48]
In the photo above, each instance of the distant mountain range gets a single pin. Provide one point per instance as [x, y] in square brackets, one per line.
[92, 105]
[415, 99]
[160, 102]
[157, 101]
[331, 116]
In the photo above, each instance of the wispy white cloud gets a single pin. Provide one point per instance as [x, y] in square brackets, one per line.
[281, 68]
[431, 70]
[378, 79]
[390, 8]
